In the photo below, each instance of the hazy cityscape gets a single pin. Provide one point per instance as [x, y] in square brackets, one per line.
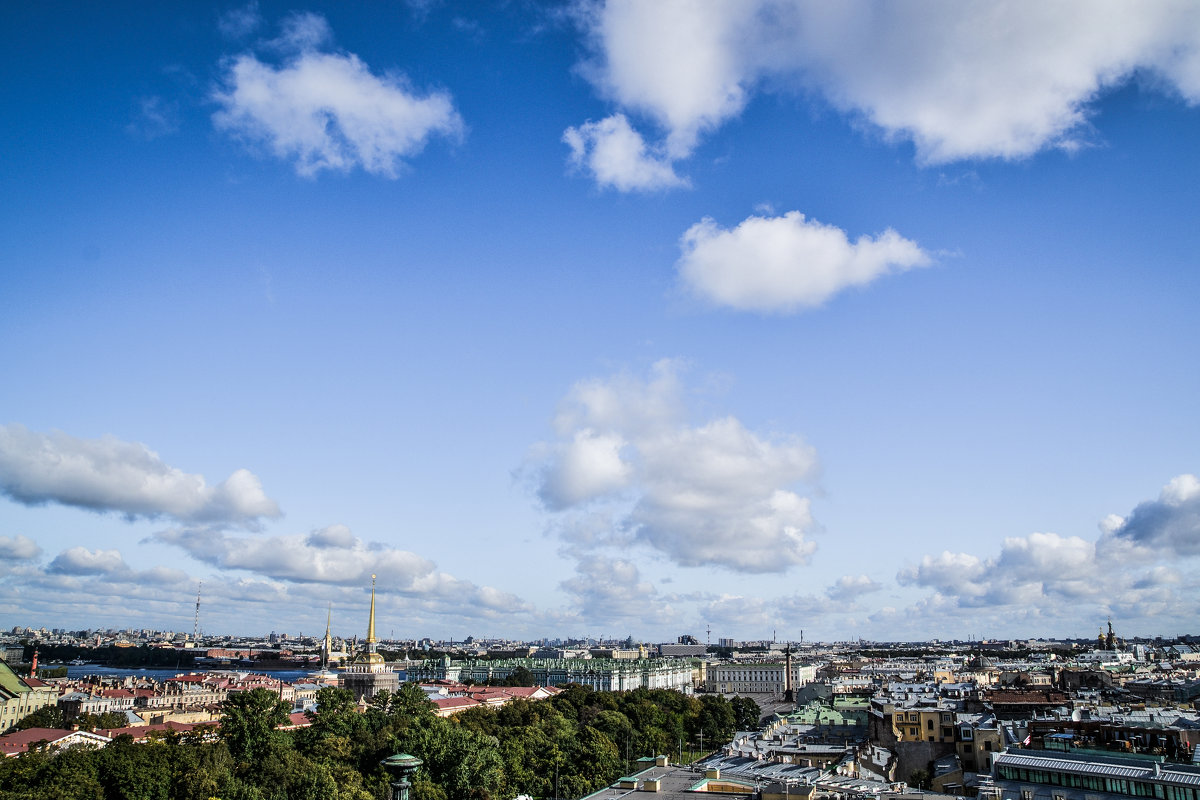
[1004, 720]
[443, 400]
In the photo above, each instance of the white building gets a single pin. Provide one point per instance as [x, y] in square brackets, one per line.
[765, 678]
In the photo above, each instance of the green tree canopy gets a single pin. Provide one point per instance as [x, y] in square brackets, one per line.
[249, 722]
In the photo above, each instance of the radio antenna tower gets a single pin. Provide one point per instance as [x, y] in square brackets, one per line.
[196, 624]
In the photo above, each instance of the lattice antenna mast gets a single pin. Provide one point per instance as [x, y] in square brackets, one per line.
[196, 623]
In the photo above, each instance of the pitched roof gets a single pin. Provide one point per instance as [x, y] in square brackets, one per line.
[19, 741]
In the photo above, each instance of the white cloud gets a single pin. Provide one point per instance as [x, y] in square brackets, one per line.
[624, 402]
[239, 23]
[108, 474]
[99, 590]
[1171, 523]
[588, 466]
[302, 32]
[1138, 571]
[335, 556]
[328, 110]
[18, 548]
[332, 536]
[1041, 567]
[951, 573]
[680, 63]
[740, 613]
[612, 590]
[960, 80]
[617, 156]
[81, 561]
[966, 80]
[785, 263]
[850, 588]
[330, 555]
[108, 566]
[715, 493]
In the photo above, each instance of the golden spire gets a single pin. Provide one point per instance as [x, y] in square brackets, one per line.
[371, 621]
[327, 644]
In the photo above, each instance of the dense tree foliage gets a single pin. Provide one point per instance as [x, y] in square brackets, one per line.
[746, 713]
[567, 746]
[53, 717]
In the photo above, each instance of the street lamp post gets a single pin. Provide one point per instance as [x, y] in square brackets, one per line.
[401, 766]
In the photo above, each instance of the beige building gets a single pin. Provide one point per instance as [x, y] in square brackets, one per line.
[923, 724]
[766, 678]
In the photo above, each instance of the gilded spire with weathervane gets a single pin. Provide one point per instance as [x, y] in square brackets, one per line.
[327, 644]
[369, 656]
[371, 622]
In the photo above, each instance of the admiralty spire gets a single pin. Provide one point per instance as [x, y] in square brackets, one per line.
[368, 675]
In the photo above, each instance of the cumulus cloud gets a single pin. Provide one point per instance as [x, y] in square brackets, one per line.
[163, 597]
[681, 64]
[104, 567]
[329, 555]
[18, 548]
[108, 474]
[1137, 570]
[332, 536]
[588, 466]
[1029, 569]
[612, 590]
[959, 80]
[958, 574]
[785, 263]
[618, 157]
[849, 588]
[326, 110]
[715, 493]
[81, 561]
[1170, 524]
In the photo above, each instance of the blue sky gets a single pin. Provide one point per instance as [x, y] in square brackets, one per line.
[601, 319]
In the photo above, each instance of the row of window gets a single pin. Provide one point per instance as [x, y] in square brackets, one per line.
[1129, 788]
[914, 716]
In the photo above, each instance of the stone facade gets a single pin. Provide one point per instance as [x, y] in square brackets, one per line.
[610, 675]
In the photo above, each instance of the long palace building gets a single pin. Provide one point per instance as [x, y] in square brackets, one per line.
[602, 674]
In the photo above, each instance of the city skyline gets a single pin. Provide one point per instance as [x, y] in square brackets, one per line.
[602, 318]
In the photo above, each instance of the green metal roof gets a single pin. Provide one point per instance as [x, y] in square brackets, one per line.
[10, 681]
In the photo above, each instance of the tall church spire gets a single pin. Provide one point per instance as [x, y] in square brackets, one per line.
[371, 622]
[327, 645]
